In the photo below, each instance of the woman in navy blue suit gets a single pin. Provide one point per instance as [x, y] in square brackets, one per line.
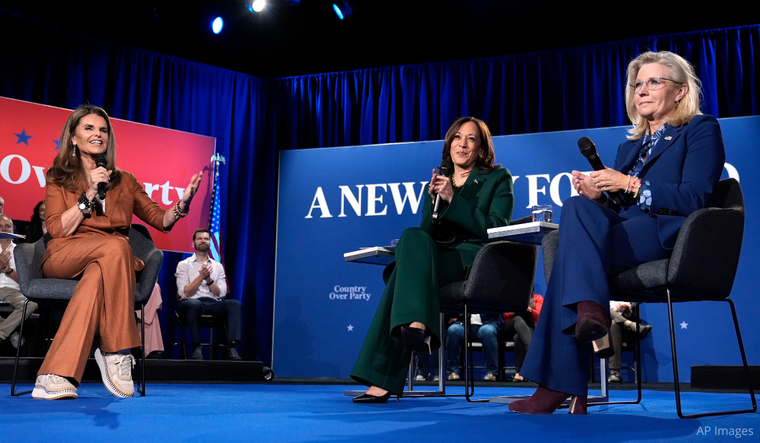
[667, 169]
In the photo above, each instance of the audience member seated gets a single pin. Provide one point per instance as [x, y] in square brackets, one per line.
[623, 319]
[202, 287]
[154, 342]
[37, 228]
[483, 328]
[9, 289]
[518, 328]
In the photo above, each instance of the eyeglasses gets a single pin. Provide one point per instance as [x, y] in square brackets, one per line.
[652, 83]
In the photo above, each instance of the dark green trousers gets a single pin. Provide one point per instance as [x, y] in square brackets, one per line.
[411, 295]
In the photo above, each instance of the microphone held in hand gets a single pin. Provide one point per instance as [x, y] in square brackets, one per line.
[588, 149]
[445, 169]
[100, 160]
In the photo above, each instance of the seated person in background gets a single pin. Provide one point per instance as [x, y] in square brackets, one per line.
[154, 342]
[621, 314]
[518, 327]
[484, 328]
[9, 289]
[37, 228]
[427, 365]
[202, 287]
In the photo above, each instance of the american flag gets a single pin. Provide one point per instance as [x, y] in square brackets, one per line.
[215, 226]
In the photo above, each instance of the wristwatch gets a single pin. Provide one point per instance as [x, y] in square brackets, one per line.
[85, 204]
[209, 283]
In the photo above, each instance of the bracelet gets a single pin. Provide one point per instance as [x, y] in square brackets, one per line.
[85, 204]
[179, 214]
[628, 186]
[638, 188]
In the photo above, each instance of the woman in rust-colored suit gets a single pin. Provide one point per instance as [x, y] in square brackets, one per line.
[90, 243]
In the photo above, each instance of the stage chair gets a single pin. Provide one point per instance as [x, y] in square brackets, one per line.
[501, 280]
[209, 321]
[57, 292]
[702, 267]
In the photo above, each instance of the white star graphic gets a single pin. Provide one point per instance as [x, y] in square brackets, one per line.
[350, 328]
[684, 325]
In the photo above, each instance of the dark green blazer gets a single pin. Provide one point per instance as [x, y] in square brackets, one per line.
[485, 201]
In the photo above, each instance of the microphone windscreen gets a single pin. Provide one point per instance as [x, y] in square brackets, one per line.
[446, 168]
[587, 147]
[101, 160]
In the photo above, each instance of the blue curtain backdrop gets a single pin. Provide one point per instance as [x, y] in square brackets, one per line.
[252, 118]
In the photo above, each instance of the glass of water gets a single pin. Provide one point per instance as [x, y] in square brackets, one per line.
[542, 213]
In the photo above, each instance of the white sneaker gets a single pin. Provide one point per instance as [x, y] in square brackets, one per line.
[453, 376]
[420, 377]
[53, 387]
[490, 377]
[116, 371]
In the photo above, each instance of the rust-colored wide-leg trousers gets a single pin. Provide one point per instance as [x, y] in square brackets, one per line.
[103, 300]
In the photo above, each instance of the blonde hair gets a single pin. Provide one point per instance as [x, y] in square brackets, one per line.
[680, 71]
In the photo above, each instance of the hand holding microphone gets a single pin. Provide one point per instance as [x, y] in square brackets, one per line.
[603, 179]
[440, 184]
[102, 162]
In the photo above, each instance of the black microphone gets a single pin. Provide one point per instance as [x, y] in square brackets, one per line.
[100, 160]
[588, 149]
[445, 169]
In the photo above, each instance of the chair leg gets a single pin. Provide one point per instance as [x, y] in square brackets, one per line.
[141, 384]
[675, 367]
[603, 374]
[18, 352]
[469, 373]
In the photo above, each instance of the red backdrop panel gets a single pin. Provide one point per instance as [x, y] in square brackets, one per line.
[163, 160]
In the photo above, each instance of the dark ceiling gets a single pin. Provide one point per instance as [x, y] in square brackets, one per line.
[308, 38]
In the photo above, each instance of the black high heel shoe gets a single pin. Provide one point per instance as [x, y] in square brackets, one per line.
[416, 339]
[366, 398]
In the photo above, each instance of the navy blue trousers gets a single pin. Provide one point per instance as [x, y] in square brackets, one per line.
[229, 309]
[594, 242]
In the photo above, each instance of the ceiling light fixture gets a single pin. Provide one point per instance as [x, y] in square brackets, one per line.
[257, 5]
[217, 25]
[344, 9]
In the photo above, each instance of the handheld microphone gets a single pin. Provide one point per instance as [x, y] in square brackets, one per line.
[100, 160]
[445, 169]
[588, 149]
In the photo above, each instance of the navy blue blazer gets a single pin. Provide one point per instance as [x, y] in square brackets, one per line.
[683, 169]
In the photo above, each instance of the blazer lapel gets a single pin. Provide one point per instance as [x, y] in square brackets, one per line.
[473, 184]
[669, 136]
[633, 154]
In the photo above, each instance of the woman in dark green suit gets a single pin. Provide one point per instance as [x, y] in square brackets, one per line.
[478, 196]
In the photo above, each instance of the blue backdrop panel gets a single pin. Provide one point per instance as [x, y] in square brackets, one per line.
[336, 200]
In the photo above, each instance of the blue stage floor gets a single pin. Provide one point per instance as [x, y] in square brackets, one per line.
[321, 413]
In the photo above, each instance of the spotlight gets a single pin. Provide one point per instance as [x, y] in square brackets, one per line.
[344, 9]
[217, 25]
[257, 5]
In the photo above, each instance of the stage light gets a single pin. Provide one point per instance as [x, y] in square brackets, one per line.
[257, 5]
[217, 25]
[344, 9]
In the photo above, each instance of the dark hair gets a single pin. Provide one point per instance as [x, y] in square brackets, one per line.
[484, 161]
[198, 231]
[68, 170]
[36, 214]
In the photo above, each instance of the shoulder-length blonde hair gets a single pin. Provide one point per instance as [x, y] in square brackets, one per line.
[680, 71]
[487, 156]
[68, 169]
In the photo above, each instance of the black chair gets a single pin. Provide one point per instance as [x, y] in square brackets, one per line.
[207, 321]
[58, 292]
[702, 267]
[500, 280]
